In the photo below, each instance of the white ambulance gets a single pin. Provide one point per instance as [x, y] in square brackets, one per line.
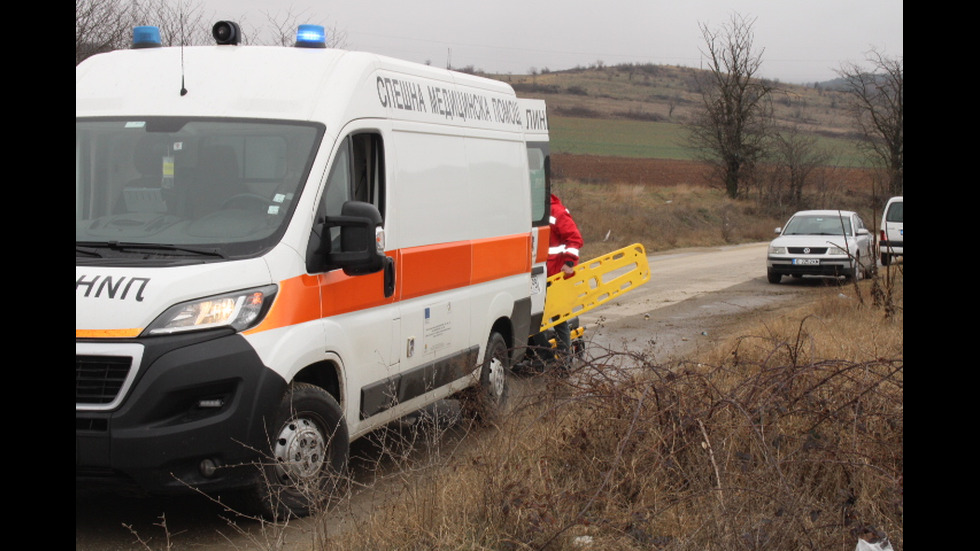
[280, 249]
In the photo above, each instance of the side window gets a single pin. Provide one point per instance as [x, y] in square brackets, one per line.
[896, 212]
[367, 169]
[539, 166]
[357, 174]
[338, 183]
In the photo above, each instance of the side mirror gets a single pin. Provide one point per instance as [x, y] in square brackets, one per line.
[779, 230]
[361, 239]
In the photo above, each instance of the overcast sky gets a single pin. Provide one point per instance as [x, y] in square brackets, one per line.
[801, 41]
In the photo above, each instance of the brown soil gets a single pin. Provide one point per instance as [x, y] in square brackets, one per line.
[658, 172]
[667, 172]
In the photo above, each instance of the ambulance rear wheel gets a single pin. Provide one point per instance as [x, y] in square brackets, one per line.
[308, 452]
[488, 400]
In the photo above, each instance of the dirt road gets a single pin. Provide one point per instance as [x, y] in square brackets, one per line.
[694, 298]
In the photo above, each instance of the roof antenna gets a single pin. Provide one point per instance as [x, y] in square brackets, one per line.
[183, 89]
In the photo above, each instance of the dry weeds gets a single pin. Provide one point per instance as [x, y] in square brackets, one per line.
[788, 437]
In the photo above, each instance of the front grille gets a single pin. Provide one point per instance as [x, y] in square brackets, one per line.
[808, 250]
[99, 379]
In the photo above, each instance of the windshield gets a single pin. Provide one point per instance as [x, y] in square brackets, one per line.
[818, 225]
[166, 187]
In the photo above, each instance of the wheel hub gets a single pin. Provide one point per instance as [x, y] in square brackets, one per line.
[300, 450]
[496, 378]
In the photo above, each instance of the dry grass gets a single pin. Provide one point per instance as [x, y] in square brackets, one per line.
[613, 215]
[788, 437]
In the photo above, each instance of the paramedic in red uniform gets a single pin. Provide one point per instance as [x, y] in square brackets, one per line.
[563, 253]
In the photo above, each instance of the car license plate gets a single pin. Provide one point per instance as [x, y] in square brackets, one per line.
[806, 261]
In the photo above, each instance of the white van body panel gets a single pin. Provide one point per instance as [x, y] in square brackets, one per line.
[892, 238]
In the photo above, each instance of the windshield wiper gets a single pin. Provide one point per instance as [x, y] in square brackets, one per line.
[89, 251]
[154, 247]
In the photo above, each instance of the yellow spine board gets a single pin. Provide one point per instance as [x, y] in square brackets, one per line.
[574, 334]
[595, 283]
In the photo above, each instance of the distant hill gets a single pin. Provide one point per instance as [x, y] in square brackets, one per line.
[665, 93]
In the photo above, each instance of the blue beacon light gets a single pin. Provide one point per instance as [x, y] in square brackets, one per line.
[311, 36]
[146, 36]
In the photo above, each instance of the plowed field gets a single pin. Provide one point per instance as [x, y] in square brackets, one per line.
[665, 172]
[661, 172]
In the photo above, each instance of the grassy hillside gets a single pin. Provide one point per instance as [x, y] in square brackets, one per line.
[622, 164]
[639, 110]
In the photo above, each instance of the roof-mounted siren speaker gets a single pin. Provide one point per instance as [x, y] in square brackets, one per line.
[226, 32]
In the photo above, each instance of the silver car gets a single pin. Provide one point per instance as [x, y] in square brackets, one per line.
[821, 243]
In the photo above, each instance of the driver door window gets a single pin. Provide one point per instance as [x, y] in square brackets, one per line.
[357, 174]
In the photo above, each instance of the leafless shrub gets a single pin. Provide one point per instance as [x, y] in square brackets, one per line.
[773, 447]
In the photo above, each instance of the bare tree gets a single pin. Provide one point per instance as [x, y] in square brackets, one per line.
[101, 26]
[282, 25]
[104, 25]
[180, 24]
[877, 98]
[795, 157]
[733, 123]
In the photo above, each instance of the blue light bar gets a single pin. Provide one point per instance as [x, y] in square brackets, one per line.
[146, 36]
[311, 36]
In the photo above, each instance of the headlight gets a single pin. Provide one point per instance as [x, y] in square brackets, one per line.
[777, 250]
[835, 250]
[239, 310]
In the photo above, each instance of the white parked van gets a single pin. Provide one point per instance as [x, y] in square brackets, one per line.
[892, 242]
[281, 249]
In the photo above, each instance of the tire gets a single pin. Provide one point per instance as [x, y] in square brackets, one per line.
[487, 401]
[857, 272]
[308, 452]
[885, 259]
[773, 277]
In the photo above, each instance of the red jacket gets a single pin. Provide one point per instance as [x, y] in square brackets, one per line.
[566, 240]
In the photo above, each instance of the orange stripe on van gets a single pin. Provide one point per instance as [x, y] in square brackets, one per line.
[500, 257]
[433, 268]
[544, 241]
[298, 300]
[107, 333]
[419, 271]
[309, 297]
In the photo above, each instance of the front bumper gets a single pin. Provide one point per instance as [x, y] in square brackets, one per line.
[824, 266]
[192, 400]
[892, 247]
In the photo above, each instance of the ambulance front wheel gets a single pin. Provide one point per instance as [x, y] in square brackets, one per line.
[308, 452]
